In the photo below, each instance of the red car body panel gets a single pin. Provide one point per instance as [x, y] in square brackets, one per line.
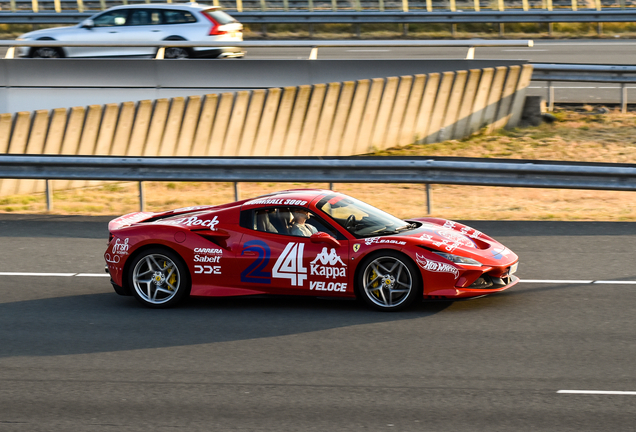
[225, 258]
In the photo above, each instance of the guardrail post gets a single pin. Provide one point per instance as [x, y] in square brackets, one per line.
[405, 8]
[330, 186]
[622, 3]
[236, 191]
[49, 195]
[334, 5]
[429, 5]
[239, 5]
[102, 4]
[313, 55]
[525, 5]
[429, 201]
[216, 3]
[470, 55]
[624, 98]
[80, 6]
[161, 52]
[356, 4]
[58, 6]
[142, 199]
[574, 5]
[12, 5]
[285, 5]
[10, 53]
[263, 5]
[477, 7]
[550, 96]
[310, 5]
[35, 6]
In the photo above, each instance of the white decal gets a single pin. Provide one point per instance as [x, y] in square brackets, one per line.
[436, 266]
[207, 259]
[185, 209]
[206, 269]
[331, 286]
[470, 232]
[193, 221]
[133, 217]
[328, 261]
[208, 251]
[120, 248]
[279, 201]
[447, 245]
[449, 224]
[372, 240]
[289, 264]
[114, 260]
[456, 238]
[426, 237]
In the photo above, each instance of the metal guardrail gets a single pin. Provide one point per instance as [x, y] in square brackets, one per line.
[508, 173]
[312, 44]
[622, 74]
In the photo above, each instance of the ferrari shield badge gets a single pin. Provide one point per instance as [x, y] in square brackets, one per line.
[356, 247]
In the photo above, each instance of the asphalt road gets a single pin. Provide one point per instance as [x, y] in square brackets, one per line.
[75, 356]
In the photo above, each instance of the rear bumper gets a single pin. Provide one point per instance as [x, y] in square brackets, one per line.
[223, 52]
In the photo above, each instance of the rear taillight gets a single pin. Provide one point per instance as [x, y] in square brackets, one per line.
[216, 29]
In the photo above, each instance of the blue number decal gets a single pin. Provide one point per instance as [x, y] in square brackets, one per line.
[254, 272]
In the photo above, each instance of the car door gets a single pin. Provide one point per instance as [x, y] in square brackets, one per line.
[107, 28]
[273, 260]
[144, 25]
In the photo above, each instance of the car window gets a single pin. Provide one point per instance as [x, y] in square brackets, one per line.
[220, 17]
[145, 17]
[178, 17]
[111, 19]
[290, 221]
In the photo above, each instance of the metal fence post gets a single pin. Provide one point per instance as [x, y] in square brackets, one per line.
[285, 5]
[263, 5]
[142, 199]
[58, 6]
[525, 5]
[80, 6]
[239, 5]
[334, 5]
[313, 54]
[236, 191]
[35, 6]
[330, 186]
[49, 195]
[102, 4]
[429, 202]
[12, 5]
[477, 7]
[429, 5]
[550, 96]
[574, 5]
[624, 98]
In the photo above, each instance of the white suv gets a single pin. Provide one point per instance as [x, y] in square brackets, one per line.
[143, 23]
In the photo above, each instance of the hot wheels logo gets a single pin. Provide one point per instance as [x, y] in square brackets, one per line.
[436, 266]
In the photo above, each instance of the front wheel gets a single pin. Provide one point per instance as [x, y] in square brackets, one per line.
[158, 278]
[388, 281]
[46, 52]
[176, 53]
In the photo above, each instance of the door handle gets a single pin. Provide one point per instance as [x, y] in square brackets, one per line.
[155, 30]
[112, 32]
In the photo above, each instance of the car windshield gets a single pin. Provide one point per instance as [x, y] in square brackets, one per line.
[359, 218]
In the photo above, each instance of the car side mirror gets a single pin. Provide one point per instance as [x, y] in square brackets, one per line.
[88, 24]
[323, 237]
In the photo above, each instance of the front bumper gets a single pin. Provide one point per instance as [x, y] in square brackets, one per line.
[465, 293]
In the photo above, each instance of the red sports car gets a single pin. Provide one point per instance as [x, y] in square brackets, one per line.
[302, 242]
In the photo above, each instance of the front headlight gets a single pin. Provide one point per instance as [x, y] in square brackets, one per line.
[459, 259]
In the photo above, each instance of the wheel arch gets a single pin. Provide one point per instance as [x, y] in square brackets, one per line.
[48, 38]
[371, 255]
[142, 249]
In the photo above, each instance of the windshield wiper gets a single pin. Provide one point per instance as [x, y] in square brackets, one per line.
[406, 227]
[383, 232]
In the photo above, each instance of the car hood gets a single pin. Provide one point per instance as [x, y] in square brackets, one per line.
[50, 32]
[171, 217]
[458, 239]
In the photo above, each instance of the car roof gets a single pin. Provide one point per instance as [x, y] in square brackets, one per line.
[290, 197]
[183, 6]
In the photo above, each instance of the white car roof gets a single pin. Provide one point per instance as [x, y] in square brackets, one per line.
[183, 6]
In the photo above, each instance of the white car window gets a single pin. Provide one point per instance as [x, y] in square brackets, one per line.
[145, 17]
[178, 17]
[111, 19]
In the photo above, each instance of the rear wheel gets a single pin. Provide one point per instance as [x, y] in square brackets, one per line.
[388, 281]
[176, 53]
[158, 278]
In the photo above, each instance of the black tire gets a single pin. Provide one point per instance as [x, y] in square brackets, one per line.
[46, 52]
[176, 53]
[388, 281]
[158, 278]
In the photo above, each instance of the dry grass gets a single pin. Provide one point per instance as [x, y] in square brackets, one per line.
[576, 136]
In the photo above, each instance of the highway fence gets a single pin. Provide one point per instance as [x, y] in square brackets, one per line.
[331, 119]
[414, 170]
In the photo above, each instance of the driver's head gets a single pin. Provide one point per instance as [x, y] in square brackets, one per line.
[301, 215]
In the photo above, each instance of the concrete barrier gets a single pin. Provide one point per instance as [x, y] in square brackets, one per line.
[333, 119]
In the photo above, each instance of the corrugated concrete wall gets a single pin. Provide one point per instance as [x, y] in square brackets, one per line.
[334, 119]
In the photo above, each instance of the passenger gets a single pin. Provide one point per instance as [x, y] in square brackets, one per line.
[299, 227]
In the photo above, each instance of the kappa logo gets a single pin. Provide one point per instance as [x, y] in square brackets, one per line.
[436, 266]
[289, 264]
[328, 268]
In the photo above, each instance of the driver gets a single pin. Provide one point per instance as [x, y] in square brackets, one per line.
[299, 227]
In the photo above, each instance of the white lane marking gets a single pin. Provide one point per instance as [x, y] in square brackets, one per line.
[556, 281]
[545, 44]
[615, 282]
[368, 50]
[36, 274]
[524, 50]
[598, 392]
[55, 274]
